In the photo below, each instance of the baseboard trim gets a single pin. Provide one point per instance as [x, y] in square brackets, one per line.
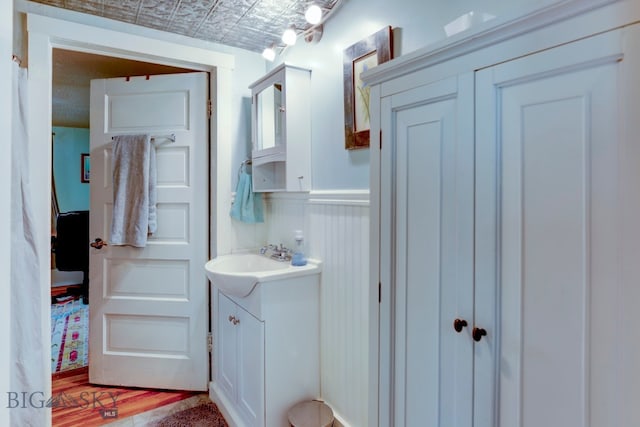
[338, 420]
[224, 406]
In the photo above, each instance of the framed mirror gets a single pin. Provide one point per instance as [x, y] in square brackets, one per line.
[270, 111]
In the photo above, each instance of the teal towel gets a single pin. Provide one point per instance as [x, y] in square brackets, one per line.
[247, 206]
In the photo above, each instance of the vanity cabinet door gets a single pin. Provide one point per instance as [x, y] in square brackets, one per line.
[241, 360]
[251, 374]
[227, 341]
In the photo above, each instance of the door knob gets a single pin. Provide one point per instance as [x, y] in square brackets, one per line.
[234, 320]
[98, 243]
[458, 324]
[478, 333]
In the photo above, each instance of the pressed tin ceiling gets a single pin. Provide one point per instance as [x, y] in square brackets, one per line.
[246, 24]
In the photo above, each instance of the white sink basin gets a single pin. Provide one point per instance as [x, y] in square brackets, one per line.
[238, 274]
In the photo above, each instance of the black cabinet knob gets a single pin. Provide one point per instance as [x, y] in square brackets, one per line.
[478, 333]
[458, 324]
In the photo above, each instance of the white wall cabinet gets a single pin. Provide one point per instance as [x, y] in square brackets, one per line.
[501, 197]
[281, 130]
[266, 350]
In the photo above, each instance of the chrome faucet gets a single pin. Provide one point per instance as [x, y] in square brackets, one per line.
[264, 249]
[279, 252]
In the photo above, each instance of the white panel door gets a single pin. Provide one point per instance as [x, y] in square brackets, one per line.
[149, 310]
[427, 200]
[557, 136]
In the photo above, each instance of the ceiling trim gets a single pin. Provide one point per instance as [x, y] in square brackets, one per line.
[60, 32]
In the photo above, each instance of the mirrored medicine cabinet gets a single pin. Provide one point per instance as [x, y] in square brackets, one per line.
[281, 130]
[269, 117]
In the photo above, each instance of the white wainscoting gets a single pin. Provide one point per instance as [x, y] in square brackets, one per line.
[336, 229]
[285, 213]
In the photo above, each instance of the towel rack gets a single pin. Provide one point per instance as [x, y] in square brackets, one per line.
[170, 137]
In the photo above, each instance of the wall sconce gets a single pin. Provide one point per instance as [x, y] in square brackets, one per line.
[289, 36]
[313, 34]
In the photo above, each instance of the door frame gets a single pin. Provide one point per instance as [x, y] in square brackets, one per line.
[45, 34]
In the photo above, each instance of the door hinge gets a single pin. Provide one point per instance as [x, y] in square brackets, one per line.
[209, 342]
[209, 108]
[379, 292]
[380, 139]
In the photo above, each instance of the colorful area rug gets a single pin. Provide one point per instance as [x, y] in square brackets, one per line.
[69, 335]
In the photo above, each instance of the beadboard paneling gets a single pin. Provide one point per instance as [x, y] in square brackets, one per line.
[336, 227]
[285, 213]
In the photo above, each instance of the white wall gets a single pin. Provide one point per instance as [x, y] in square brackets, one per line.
[417, 23]
[6, 34]
[249, 68]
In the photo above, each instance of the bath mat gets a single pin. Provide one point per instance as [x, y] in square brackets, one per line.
[205, 415]
[69, 335]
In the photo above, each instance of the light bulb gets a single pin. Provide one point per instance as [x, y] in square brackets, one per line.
[269, 53]
[313, 15]
[289, 36]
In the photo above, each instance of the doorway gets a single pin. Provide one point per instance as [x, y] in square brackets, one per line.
[47, 34]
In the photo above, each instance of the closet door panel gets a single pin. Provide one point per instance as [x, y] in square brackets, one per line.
[432, 267]
[556, 148]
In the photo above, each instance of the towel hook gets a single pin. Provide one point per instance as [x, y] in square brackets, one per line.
[243, 165]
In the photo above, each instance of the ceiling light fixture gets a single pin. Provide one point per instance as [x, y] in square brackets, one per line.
[289, 36]
[313, 15]
[311, 32]
[269, 53]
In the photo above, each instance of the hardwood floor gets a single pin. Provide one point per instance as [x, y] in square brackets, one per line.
[78, 403]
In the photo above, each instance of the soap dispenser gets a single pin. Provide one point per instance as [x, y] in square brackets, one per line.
[298, 258]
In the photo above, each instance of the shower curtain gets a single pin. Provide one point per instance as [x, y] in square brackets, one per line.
[29, 372]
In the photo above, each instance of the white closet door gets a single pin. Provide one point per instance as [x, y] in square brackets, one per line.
[547, 143]
[427, 205]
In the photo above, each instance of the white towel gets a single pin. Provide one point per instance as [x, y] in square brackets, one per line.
[134, 190]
